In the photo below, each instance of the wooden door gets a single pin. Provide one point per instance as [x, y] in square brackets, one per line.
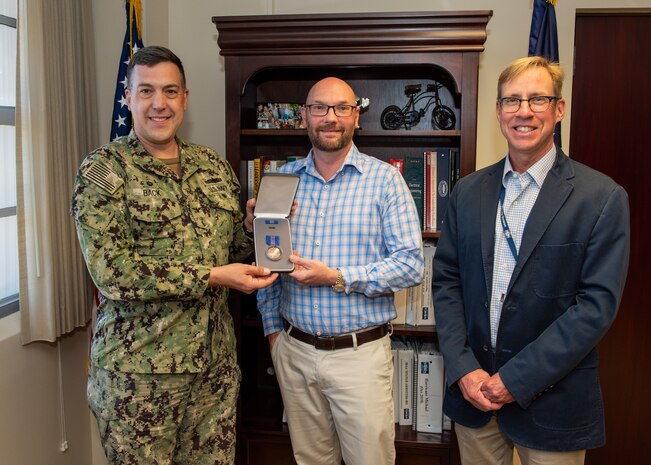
[610, 130]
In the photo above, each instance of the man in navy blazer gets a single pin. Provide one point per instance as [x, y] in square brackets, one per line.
[529, 272]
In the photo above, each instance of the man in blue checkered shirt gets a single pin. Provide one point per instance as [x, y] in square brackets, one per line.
[357, 232]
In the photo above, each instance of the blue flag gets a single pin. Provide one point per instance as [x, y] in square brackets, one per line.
[543, 39]
[121, 121]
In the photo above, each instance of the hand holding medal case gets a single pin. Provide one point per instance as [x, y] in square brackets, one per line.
[271, 233]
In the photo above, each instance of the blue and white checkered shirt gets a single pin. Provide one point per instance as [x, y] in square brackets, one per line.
[521, 192]
[364, 222]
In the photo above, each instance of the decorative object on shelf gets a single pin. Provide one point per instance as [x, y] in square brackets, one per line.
[362, 102]
[394, 117]
[279, 116]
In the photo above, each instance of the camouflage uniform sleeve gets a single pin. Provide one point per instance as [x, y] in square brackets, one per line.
[242, 245]
[101, 217]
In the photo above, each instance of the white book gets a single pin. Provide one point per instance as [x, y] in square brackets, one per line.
[429, 395]
[400, 302]
[425, 313]
[406, 364]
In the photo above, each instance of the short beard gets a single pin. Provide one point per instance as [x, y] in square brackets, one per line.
[329, 145]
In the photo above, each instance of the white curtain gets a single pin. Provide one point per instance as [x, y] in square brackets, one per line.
[56, 125]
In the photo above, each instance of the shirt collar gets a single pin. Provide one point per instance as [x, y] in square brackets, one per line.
[353, 158]
[538, 171]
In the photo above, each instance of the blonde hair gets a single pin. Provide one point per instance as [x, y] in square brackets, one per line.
[524, 64]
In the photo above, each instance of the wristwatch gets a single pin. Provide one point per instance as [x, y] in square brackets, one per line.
[339, 285]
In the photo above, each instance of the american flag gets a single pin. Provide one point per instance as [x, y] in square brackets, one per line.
[543, 39]
[121, 121]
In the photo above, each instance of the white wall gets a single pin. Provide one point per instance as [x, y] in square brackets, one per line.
[31, 428]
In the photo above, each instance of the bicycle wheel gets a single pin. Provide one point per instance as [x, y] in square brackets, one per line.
[392, 117]
[443, 117]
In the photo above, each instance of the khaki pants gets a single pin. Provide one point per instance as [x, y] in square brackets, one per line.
[338, 403]
[489, 446]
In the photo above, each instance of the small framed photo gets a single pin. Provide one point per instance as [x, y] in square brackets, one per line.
[279, 116]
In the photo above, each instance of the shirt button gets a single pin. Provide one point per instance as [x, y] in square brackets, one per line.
[318, 333]
[316, 306]
[322, 214]
[485, 348]
[317, 243]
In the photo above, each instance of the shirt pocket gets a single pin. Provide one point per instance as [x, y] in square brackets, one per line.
[214, 211]
[158, 228]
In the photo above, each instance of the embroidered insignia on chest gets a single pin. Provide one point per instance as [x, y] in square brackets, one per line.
[104, 177]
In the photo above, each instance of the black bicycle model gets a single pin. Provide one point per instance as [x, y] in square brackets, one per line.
[394, 117]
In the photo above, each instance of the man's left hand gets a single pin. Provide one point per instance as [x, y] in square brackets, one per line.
[312, 272]
[495, 390]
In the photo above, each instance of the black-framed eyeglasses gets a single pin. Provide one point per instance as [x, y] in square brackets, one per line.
[537, 104]
[319, 109]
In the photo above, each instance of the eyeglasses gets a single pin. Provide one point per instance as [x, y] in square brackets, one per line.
[537, 104]
[319, 109]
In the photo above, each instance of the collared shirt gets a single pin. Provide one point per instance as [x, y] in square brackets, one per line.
[362, 221]
[521, 193]
[150, 238]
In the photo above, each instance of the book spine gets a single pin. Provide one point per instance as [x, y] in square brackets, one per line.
[442, 184]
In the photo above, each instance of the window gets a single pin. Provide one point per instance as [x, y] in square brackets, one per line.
[8, 232]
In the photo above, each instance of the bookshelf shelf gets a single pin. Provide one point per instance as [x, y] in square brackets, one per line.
[277, 58]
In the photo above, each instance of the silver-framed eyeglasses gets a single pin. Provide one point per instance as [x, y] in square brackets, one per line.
[320, 109]
[537, 104]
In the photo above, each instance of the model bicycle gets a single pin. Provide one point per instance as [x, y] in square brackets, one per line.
[394, 117]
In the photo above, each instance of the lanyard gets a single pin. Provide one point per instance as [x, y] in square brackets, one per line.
[505, 226]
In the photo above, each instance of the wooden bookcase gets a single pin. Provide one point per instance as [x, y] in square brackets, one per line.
[277, 58]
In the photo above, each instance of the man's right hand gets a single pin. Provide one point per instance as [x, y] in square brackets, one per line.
[272, 339]
[470, 385]
[245, 278]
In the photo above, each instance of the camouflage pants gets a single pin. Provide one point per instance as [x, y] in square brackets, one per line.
[167, 419]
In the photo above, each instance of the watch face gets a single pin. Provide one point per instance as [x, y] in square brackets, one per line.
[338, 288]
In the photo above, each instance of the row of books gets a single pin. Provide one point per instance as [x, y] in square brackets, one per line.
[253, 170]
[418, 386]
[414, 306]
[430, 178]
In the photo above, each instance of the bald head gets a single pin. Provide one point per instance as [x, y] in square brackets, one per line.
[331, 89]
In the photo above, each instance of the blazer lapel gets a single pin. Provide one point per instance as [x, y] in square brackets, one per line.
[490, 193]
[552, 196]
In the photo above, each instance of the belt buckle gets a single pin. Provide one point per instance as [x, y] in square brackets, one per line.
[325, 342]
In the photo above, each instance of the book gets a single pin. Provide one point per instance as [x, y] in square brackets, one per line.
[442, 184]
[406, 386]
[399, 164]
[455, 167]
[396, 386]
[429, 390]
[430, 189]
[414, 177]
[250, 179]
[400, 302]
[425, 315]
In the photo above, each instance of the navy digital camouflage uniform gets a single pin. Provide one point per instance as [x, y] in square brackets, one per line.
[163, 359]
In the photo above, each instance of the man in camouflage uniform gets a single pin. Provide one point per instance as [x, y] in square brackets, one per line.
[159, 224]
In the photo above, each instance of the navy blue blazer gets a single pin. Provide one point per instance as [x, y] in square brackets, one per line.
[562, 297]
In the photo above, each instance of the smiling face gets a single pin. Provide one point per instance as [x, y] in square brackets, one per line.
[157, 101]
[529, 135]
[331, 133]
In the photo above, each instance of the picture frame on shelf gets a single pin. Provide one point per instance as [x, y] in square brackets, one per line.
[272, 115]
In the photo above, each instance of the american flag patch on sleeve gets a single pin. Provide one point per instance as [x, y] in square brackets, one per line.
[103, 176]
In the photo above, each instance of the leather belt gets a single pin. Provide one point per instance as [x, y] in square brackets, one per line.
[343, 341]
